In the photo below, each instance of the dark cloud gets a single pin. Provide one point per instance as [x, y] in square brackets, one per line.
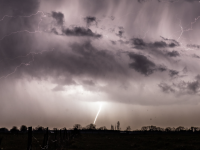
[64, 81]
[89, 20]
[53, 30]
[19, 7]
[141, 64]
[193, 86]
[112, 17]
[193, 46]
[58, 88]
[166, 88]
[197, 77]
[169, 1]
[113, 42]
[80, 31]
[172, 1]
[89, 82]
[195, 56]
[182, 87]
[173, 43]
[159, 44]
[162, 68]
[173, 54]
[123, 42]
[140, 1]
[75, 31]
[192, 0]
[59, 17]
[120, 32]
[141, 44]
[63, 64]
[84, 59]
[173, 73]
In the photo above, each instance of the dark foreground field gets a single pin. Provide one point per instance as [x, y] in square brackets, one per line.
[139, 142]
[175, 141]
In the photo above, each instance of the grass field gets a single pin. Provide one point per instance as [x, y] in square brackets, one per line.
[178, 141]
[138, 142]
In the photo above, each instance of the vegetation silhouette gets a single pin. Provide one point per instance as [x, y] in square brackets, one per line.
[112, 127]
[59, 138]
[4, 129]
[91, 127]
[14, 129]
[23, 128]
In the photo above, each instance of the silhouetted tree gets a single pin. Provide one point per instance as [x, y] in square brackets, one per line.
[84, 128]
[23, 128]
[173, 129]
[168, 129]
[180, 128]
[102, 128]
[118, 126]
[194, 129]
[14, 129]
[128, 128]
[160, 129]
[112, 127]
[39, 128]
[3, 130]
[152, 128]
[145, 128]
[77, 127]
[91, 126]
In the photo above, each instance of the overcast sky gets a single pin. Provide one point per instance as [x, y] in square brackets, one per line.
[60, 60]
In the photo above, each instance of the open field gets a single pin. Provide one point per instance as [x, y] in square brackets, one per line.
[137, 141]
[20, 141]
[103, 141]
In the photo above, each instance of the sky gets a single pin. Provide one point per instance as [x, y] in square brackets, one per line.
[63, 60]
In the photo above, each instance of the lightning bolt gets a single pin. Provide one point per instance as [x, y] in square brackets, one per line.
[23, 64]
[24, 16]
[43, 15]
[188, 29]
[30, 32]
[97, 114]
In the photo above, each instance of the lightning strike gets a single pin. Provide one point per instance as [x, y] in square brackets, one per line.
[188, 29]
[23, 64]
[31, 32]
[8, 16]
[97, 114]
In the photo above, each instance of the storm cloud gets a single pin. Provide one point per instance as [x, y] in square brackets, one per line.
[59, 17]
[143, 65]
[58, 55]
[141, 44]
[89, 20]
[80, 31]
[19, 8]
[182, 87]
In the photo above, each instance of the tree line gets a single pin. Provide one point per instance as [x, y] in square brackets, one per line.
[117, 127]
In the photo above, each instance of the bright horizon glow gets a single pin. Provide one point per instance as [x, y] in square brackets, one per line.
[97, 113]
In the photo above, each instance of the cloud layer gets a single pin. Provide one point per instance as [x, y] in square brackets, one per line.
[123, 52]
